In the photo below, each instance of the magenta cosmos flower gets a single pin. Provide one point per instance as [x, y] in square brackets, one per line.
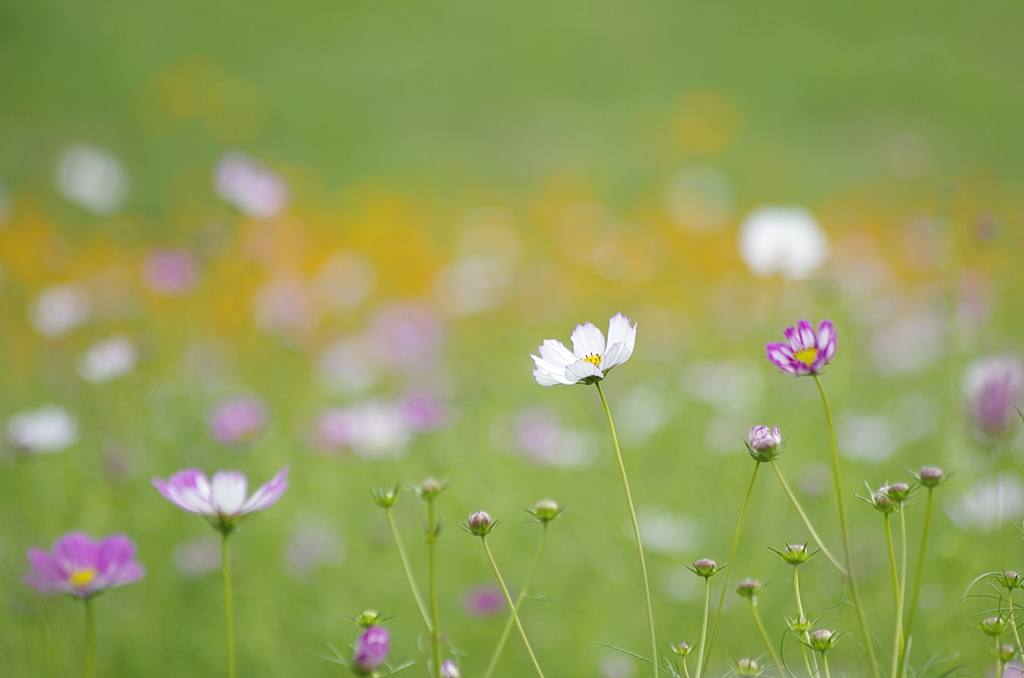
[371, 650]
[82, 567]
[591, 356]
[805, 351]
[223, 499]
[238, 421]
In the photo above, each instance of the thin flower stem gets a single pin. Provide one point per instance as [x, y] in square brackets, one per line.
[868, 640]
[408, 571]
[807, 521]
[999, 662]
[435, 633]
[892, 561]
[1013, 619]
[728, 569]
[764, 636]
[824, 664]
[897, 641]
[512, 608]
[636, 531]
[686, 671]
[704, 625]
[229, 610]
[904, 658]
[90, 640]
[519, 601]
[804, 635]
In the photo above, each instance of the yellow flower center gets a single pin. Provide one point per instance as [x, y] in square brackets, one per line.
[593, 359]
[81, 578]
[807, 356]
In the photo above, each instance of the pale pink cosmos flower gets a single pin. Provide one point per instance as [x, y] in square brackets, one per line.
[249, 186]
[371, 650]
[805, 351]
[993, 387]
[237, 421]
[81, 567]
[591, 358]
[172, 272]
[762, 438]
[483, 601]
[223, 500]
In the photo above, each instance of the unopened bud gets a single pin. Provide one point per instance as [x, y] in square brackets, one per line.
[705, 567]
[883, 502]
[930, 476]
[368, 618]
[799, 624]
[1005, 653]
[748, 588]
[763, 443]
[385, 497]
[822, 640]
[682, 649]
[1010, 579]
[898, 492]
[746, 667]
[794, 554]
[994, 626]
[429, 489]
[546, 510]
[480, 523]
[450, 670]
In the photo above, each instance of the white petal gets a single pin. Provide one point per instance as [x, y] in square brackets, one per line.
[619, 352]
[548, 374]
[618, 329]
[587, 340]
[228, 492]
[582, 370]
[555, 353]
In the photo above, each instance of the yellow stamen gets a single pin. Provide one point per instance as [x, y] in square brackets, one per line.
[807, 356]
[81, 578]
[593, 359]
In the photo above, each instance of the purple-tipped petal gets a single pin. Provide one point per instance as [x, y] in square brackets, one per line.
[827, 339]
[189, 490]
[781, 356]
[268, 493]
[806, 335]
[228, 490]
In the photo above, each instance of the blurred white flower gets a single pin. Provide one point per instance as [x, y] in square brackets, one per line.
[108, 359]
[59, 309]
[44, 430]
[540, 437]
[311, 545]
[699, 197]
[92, 178]
[344, 368]
[919, 338]
[641, 413]
[783, 240]
[666, 532]
[866, 437]
[988, 504]
[345, 280]
[372, 430]
[249, 186]
[473, 285]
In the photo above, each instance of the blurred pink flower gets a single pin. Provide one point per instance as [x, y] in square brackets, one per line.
[285, 306]
[237, 421]
[806, 351]
[543, 440]
[82, 567]
[312, 544]
[405, 336]
[249, 186]
[993, 387]
[372, 430]
[173, 272]
[483, 601]
[423, 411]
[224, 499]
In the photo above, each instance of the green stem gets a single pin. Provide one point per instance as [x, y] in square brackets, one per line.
[824, 663]
[512, 608]
[999, 662]
[807, 521]
[704, 625]
[90, 640]
[897, 641]
[904, 658]
[764, 636]
[636, 531]
[229, 612]
[868, 641]
[519, 601]
[892, 561]
[804, 635]
[1013, 619]
[408, 571]
[728, 568]
[686, 671]
[435, 633]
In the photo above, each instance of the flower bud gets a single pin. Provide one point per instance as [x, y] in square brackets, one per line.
[763, 443]
[748, 588]
[371, 651]
[480, 523]
[429, 489]
[883, 502]
[930, 476]
[1005, 653]
[682, 649]
[898, 492]
[384, 498]
[746, 667]
[822, 640]
[368, 618]
[546, 510]
[450, 670]
[1010, 579]
[994, 626]
[705, 567]
[799, 624]
[794, 554]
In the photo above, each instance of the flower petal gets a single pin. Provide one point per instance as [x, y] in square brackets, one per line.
[75, 551]
[782, 356]
[826, 340]
[189, 490]
[587, 340]
[47, 575]
[547, 374]
[621, 339]
[268, 493]
[582, 370]
[227, 492]
[554, 352]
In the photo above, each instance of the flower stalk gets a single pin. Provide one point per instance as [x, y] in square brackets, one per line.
[807, 521]
[897, 642]
[229, 614]
[703, 626]
[511, 606]
[805, 633]
[904, 654]
[408, 571]
[90, 640]
[764, 637]
[435, 633]
[636, 530]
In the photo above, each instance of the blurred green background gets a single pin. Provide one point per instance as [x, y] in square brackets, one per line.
[363, 218]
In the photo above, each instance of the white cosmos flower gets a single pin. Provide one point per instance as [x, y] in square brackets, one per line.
[591, 356]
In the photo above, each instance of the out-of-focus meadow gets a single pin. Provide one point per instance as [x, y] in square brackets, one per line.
[329, 235]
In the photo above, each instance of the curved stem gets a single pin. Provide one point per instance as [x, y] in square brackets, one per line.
[512, 608]
[519, 601]
[868, 641]
[728, 567]
[229, 610]
[764, 636]
[897, 641]
[892, 560]
[807, 521]
[636, 531]
[435, 633]
[804, 635]
[704, 625]
[408, 571]
[90, 640]
[917, 583]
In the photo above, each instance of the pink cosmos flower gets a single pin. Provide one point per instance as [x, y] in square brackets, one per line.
[483, 601]
[805, 352]
[371, 650]
[591, 356]
[237, 421]
[762, 438]
[993, 387]
[82, 567]
[171, 272]
[221, 500]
